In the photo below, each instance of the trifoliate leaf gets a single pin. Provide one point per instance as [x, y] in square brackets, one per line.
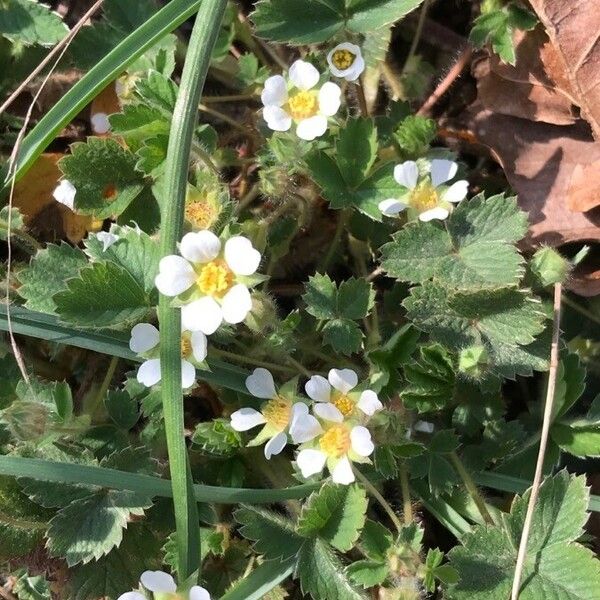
[367, 573]
[555, 566]
[273, 535]
[335, 513]
[47, 274]
[217, 438]
[356, 150]
[104, 295]
[29, 22]
[433, 569]
[103, 173]
[313, 21]
[342, 335]
[322, 574]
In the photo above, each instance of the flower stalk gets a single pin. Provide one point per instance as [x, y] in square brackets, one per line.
[197, 61]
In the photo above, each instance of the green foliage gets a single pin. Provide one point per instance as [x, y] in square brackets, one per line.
[122, 408]
[29, 587]
[434, 569]
[16, 222]
[217, 438]
[414, 135]
[29, 22]
[555, 566]
[312, 21]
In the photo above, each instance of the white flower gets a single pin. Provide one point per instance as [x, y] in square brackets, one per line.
[107, 238]
[346, 61]
[144, 341]
[335, 399]
[65, 193]
[429, 198]
[297, 101]
[281, 416]
[213, 279]
[100, 123]
[158, 582]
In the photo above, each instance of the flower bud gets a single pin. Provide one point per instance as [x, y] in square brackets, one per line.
[549, 267]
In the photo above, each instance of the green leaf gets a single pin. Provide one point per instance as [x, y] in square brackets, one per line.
[367, 573]
[29, 22]
[313, 21]
[217, 438]
[261, 581]
[32, 587]
[579, 439]
[103, 173]
[104, 295]
[415, 135]
[274, 536]
[321, 297]
[47, 274]
[137, 123]
[342, 335]
[375, 541]
[122, 409]
[17, 222]
[356, 150]
[322, 574]
[570, 384]
[335, 513]
[355, 298]
[555, 566]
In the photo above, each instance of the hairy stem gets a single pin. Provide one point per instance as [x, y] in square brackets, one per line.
[471, 488]
[405, 488]
[373, 491]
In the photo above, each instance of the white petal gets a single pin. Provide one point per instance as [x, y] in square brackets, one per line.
[275, 445]
[352, 72]
[310, 461]
[314, 127]
[369, 403]
[434, 213]
[318, 388]
[100, 123]
[107, 239]
[303, 75]
[303, 427]
[330, 98]
[241, 256]
[246, 418]
[456, 192]
[175, 275]
[343, 380]
[407, 174]
[199, 345]
[158, 581]
[328, 412]
[132, 596]
[360, 438]
[276, 118]
[144, 337]
[198, 593]
[442, 170]
[342, 472]
[188, 374]
[149, 372]
[65, 193]
[203, 315]
[356, 70]
[275, 91]
[391, 207]
[237, 303]
[260, 384]
[423, 426]
[200, 247]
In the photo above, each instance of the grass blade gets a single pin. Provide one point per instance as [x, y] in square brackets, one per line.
[262, 580]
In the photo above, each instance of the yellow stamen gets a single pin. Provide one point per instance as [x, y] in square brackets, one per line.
[215, 278]
[201, 214]
[424, 197]
[277, 412]
[343, 59]
[303, 105]
[343, 404]
[335, 441]
[186, 346]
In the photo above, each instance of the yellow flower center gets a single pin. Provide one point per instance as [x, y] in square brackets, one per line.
[215, 278]
[201, 214]
[343, 59]
[343, 404]
[303, 105]
[336, 440]
[424, 197]
[186, 345]
[277, 412]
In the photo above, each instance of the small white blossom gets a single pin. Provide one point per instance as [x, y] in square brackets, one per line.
[145, 340]
[346, 61]
[65, 193]
[107, 238]
[100, 123]
[210, 281]
[162, 585]
[282, 418]
[426, 198]
[299, 101]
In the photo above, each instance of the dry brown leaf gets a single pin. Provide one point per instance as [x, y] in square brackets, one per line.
[574, 30]
[534, 88]
[549, 167]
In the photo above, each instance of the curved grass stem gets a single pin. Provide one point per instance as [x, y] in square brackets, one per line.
[185, 115]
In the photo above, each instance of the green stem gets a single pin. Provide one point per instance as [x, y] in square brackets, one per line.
[110, 373]
[204, 34]
[405, 488]
[382, 501]
[417, 37]
[337, 238]
[471, 488]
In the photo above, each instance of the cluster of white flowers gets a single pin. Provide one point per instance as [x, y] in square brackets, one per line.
[304, 99]
[334, 435]
[161, 586]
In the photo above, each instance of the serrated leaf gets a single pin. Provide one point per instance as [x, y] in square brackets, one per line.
[570, 384]
[415, 135]
[122, 408]
[17, 221]
[29, 22]
[104, 295]
[137, 123]
[342, 335]
[28, 587]
[104, 175]
[375, 540]
[47, 274]
[321, 573]
[356, 150]
[355, 298]
[335, 513]
[367, 573]
[580, 438]
[217, 438]
[321, 297]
